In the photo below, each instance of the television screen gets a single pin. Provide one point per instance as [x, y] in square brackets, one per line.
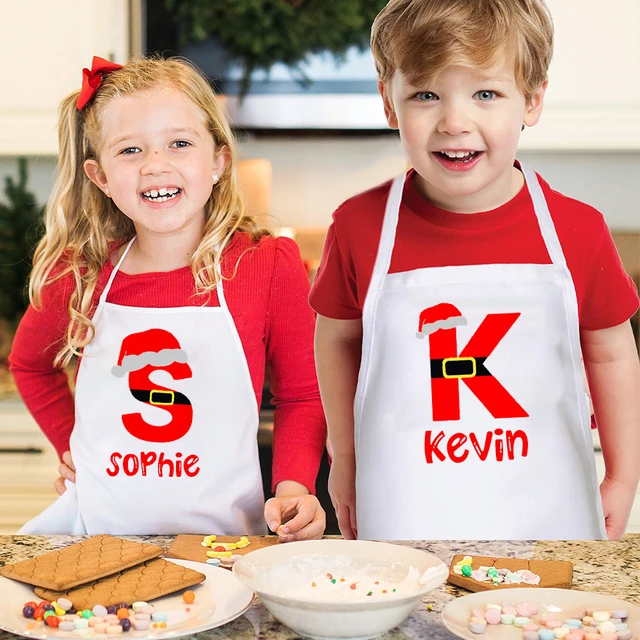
[327, 94]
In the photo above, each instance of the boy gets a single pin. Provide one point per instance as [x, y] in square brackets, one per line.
[455, 302]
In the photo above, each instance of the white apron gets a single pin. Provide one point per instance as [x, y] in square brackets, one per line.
[165, 437]
[471, 418]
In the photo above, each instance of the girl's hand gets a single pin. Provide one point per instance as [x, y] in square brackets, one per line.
[617, 501]
[295, 517]
[67, 472]
[342, 489]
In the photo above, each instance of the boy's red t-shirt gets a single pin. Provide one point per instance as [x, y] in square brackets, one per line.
[431, 237]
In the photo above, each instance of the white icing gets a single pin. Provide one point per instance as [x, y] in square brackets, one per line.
[295, 578]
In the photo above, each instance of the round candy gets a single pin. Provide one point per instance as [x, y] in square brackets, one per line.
[477, 613]
[95, 620]
[546, 634]
[509, 610]
[467, 571]
[592, 636]
[189, 597]
[530, 635]
[112, 608]
[113, 629]
[138, 605]
[573, 636]
[27, 611]
[87, 613]
[606, 627]
[112, 618]
[101, 628]
[601, 616]
[553, 624]
[159, 616]
[619, 613]
[125, 623]
[507, 618]
[561, 632]
[624, 634]
[523, 610]
[122, 613]
[48, 607]
[81, 623]
[477, 625]
[140, 625]
[48, 614]
[531, 626]
[143, 616]
[66, 625]
[492, 572]
[573, 622]
[99, 611]
[520, 621]
[493, 616]
[65, 603]
[53, 621]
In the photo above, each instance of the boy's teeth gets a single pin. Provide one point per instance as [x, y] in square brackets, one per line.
[457, 154]
[153, 193]
[162, 192]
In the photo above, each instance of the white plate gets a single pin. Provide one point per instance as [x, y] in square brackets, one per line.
[219, 599]
[457, 613]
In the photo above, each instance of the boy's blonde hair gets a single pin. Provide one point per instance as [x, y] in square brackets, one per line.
[82, 223]
[421, 38]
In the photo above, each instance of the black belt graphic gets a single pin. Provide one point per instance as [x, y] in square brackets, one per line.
[460, 367]
[160, 397]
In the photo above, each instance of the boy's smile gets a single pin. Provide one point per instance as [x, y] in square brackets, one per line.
[461, 133]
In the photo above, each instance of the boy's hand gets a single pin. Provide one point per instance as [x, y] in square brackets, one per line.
[617, 500]
[295, 517]
[67, 472]
[342, 489]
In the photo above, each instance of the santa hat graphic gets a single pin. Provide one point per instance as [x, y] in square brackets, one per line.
[155, 347]
[440, 316]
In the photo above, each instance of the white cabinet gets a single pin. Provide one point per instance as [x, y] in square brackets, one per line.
[44, 46]
[593, 99]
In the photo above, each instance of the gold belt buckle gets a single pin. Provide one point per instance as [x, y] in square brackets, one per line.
[459, 375]
[157, 402]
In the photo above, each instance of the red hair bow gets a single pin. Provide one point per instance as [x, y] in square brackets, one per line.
[91, 79]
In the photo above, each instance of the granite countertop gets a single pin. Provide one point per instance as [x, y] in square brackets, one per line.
[604, 567]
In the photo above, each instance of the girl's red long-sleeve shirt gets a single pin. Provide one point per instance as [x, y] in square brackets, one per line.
[267, 299]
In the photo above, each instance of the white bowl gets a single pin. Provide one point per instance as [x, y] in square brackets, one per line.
[282, 576]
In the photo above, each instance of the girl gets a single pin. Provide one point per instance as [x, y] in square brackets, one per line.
[174, 298]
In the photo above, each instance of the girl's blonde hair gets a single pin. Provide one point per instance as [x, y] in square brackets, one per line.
[82, 223]
[421, 38]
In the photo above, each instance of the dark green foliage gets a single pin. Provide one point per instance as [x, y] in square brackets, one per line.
[260, 33]
[21, 226]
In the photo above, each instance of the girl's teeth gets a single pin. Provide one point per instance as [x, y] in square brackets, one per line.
[162, 192]
[153, 193]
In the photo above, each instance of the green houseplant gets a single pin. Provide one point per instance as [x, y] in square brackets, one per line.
[260, 33]
[21, 226]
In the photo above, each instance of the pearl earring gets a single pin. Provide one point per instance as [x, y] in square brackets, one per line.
[106, 191]
[215, 178]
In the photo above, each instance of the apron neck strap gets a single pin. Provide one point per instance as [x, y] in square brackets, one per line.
[390, 224]
[387, 236]
[547, 228]
[107, 287]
